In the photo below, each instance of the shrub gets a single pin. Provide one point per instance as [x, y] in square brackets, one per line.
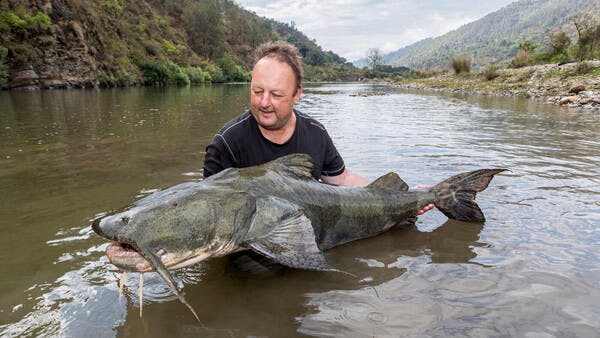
[172, 49]
[216, 74]
[176, 75]
[40, 22]
[522, 59]
[16, 23]
[232, 71]
[123, 79]
[112, 7]
[155, 73]
[197, 75]
[490, 72]
[25, 24]
[461, 64]
[179, 78]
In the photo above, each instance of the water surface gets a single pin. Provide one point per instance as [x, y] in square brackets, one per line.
[532, 269]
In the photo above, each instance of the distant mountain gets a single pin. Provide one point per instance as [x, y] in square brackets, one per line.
[493, 38]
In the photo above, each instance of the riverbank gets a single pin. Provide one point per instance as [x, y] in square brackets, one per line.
[575, 85]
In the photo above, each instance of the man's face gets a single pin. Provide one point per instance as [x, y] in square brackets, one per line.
[273, 93]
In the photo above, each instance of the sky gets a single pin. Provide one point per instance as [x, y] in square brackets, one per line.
[351, 27]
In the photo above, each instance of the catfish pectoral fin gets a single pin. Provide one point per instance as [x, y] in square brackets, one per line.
[282, 232]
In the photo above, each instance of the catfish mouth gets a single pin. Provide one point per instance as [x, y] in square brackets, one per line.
[126, 257]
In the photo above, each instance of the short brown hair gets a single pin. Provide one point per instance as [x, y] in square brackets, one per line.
[283, 52]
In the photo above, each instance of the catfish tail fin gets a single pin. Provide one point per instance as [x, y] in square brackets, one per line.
[455, 197]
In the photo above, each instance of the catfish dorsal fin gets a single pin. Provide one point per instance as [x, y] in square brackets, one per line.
[389, 181]
[298, 164]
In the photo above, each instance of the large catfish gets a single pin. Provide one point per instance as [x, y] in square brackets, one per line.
[276, 209]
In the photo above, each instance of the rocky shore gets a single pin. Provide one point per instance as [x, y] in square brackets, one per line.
[575, 85]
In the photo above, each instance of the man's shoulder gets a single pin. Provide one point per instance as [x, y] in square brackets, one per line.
[310, 123]
[236, 126]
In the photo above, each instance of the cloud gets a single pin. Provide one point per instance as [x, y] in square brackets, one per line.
[350, 27]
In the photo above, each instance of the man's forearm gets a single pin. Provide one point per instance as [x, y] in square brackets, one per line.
[347, 179]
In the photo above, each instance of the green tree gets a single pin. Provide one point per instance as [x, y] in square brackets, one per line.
[204, 25]
[527, 46]
[559, 42]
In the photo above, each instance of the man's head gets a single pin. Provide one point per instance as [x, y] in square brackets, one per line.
[276, 84]
[283, 52]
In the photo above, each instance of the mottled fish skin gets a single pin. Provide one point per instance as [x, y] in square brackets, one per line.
[276, 209]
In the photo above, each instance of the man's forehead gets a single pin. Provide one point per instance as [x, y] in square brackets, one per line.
[275, 73]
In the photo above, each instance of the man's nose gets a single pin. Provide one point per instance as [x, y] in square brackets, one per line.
[265, 100]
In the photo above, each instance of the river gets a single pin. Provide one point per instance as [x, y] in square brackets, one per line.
[532, 269]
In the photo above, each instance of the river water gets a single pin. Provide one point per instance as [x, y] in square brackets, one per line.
[531, 270]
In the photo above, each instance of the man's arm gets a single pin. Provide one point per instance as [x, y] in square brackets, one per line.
[347, 179]
[217, 157]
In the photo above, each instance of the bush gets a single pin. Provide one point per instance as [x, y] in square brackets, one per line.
[176, 75]
[490, 72]
[15, 22]
[461, 64]
[40, 22]
[112, 7]
[197, 75]
[123, 79]
[522, 59]
[216, 74]
[26, 24]
[179, 78]
[155, 73]
[231, 71]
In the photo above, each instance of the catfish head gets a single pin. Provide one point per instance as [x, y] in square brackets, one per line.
[176, 227]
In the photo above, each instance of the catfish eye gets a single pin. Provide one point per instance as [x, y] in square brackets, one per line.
[174, 203]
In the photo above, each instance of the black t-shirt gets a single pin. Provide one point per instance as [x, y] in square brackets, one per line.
[240, 144]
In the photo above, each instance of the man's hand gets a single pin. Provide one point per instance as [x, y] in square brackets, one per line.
[425, 208]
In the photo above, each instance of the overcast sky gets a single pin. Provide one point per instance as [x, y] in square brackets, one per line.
[350, 27]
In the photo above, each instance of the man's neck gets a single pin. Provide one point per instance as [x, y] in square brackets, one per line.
[281, 135]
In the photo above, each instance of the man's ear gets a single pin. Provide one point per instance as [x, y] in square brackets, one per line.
[297, 94]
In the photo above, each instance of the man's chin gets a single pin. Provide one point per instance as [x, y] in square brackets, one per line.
[268, 122]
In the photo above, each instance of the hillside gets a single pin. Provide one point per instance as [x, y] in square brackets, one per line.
[78, 43]
[493, 39]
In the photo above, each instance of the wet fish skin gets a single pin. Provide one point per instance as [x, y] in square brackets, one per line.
[276, 209]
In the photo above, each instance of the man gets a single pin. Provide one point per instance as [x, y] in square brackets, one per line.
[272, 128]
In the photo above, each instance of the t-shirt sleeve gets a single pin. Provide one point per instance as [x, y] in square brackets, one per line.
[218, 157]
[333, 164]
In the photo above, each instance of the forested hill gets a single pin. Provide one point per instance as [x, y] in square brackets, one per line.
[79, 43]
[494, 38]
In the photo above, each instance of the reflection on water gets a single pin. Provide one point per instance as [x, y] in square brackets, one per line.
[533, 268]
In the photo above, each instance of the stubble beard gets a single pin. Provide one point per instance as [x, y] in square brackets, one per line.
[279, 123]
